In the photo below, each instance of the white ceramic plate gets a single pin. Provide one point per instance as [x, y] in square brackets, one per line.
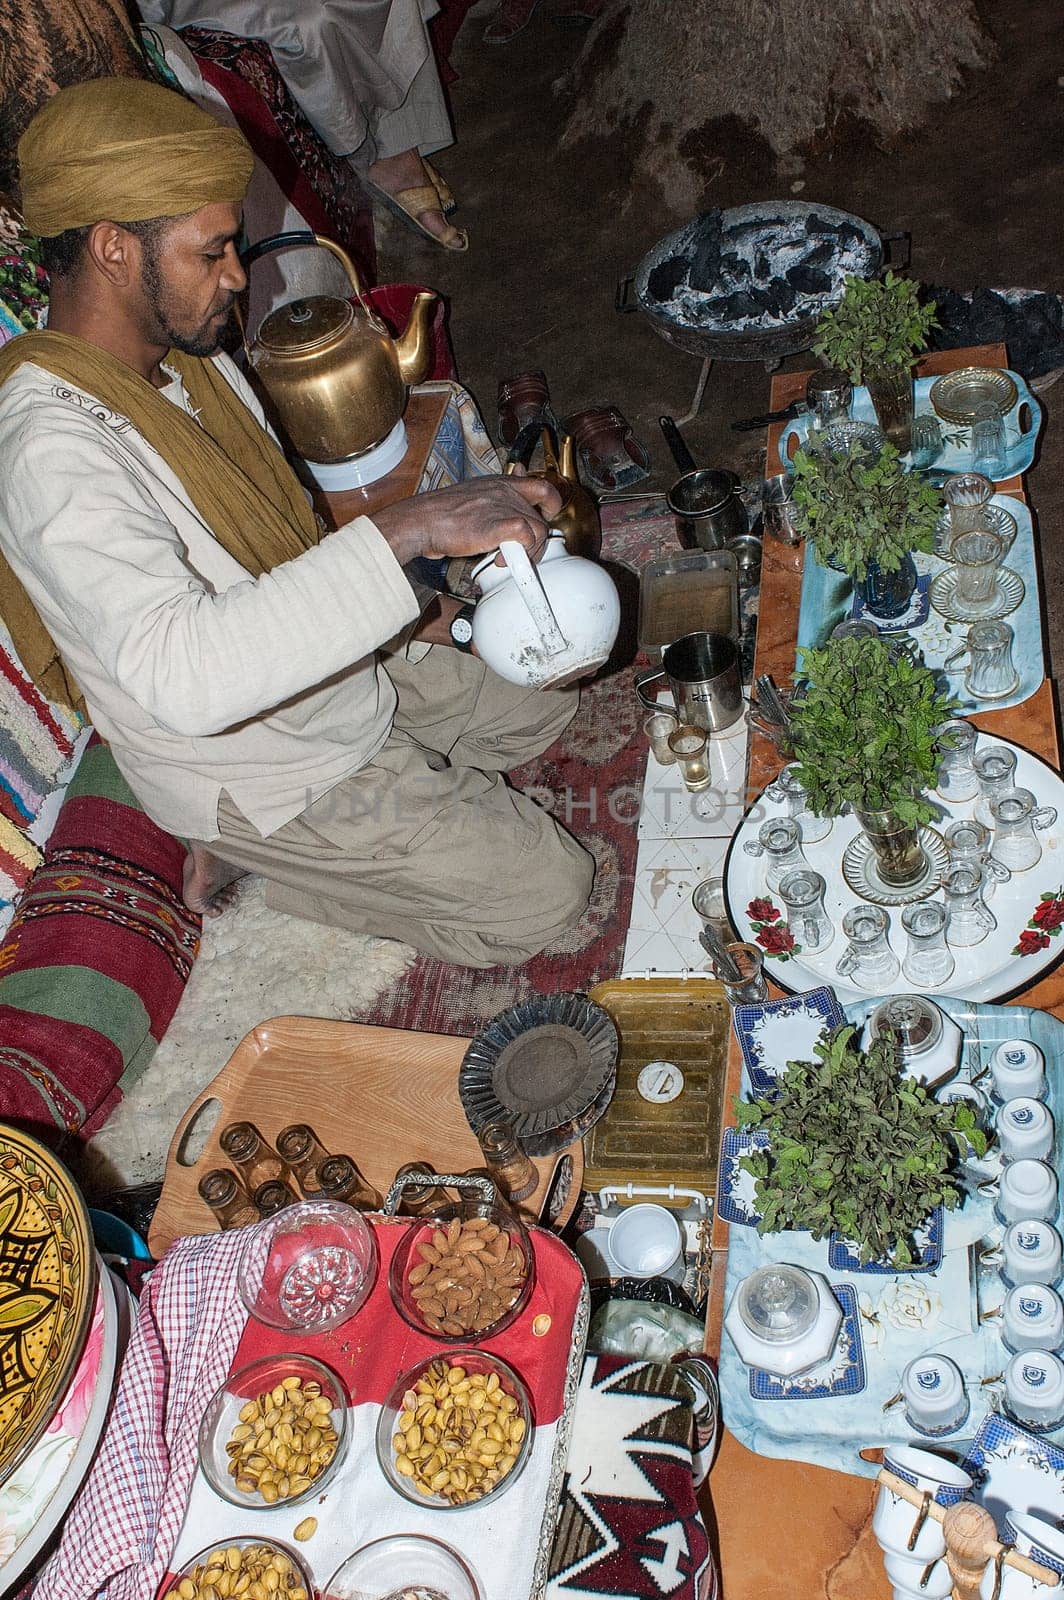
[42, 1501]
[989, 971]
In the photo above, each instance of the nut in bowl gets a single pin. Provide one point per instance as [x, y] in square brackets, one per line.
[455, 1431]
[274, 1432]
[237, 1566]
[464, 1273]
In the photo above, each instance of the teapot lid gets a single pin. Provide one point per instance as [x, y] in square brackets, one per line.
[303, 325]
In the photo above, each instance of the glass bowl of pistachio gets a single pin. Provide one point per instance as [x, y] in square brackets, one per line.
[236, 1566]
[455, 1431]
[274, 1433]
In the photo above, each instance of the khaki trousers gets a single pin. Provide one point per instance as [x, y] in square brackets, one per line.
[427, 843]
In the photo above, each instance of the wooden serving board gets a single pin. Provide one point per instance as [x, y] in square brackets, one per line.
[383, 1096]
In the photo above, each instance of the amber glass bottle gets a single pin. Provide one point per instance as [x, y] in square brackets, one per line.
[506, 1161]
[227, 1198]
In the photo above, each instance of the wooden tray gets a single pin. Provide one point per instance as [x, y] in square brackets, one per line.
[383, 1096]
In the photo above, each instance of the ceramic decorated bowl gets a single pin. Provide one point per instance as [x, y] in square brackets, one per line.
[47, 1290]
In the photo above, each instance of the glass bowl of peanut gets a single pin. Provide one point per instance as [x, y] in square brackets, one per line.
[455, 1431]
[222, 1568]
[274, 1433]
[464, 1273]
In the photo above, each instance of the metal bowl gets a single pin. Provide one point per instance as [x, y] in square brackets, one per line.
[758, 344]
[957, 396]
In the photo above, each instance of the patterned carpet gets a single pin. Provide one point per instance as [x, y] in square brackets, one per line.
[592, 781]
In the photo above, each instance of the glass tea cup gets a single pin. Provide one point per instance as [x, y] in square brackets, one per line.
[802, 893]
[991, 672]
[995, 768]
[989, 442]
[750, 988]
[868, 961]
[970, 918]
[689, 747]
[955, 745]
[976, 557]
[965, 494]
[1018, 819]
[787, 787]
[658, 727]
[711, 908]
[968, 844]
[779, 840]
[928, 961]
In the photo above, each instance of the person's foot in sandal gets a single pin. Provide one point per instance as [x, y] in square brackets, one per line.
[404, 186]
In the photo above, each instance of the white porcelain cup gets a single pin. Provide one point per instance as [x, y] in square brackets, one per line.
[1032, 1318]
[1027, 1190]
[1040, 1540]
[1014, 1586]
[895, 1519]
[1018, 1067]
[1031, 1252]
[936, 1401]
[1034, 1390]
[646, 1241]
[1024, 1129]
[912, 1577]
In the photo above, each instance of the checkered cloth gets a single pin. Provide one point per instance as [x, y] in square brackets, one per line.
[119, 1536]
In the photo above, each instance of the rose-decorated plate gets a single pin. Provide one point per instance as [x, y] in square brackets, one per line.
[1028, 909]
[47, 1290]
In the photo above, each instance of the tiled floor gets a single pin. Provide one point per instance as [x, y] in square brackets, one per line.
[683, 838]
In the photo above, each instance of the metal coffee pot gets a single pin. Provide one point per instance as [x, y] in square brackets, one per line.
[334, 374]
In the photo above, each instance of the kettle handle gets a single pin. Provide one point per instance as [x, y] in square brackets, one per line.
[277, 241]
[532, 593]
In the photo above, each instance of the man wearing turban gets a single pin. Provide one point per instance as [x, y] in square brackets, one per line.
[164, 560]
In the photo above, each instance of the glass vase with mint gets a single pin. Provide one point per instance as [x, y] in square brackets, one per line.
[874, 335]
[863, 735]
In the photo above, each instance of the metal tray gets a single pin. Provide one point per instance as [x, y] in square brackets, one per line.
[828, 599]
[1022, 425]
[831, 1431]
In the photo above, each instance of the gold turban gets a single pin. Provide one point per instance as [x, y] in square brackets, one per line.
[122, 150]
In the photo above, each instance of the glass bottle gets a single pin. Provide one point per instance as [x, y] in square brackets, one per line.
[508, 1164]
[413, 1202]
[928, 962]
[955, 747]
[501, 1198]
[968, 843]
[970, 920]
[788, 788]
[995, 769]
[802, 893]
[338, 1178]
[272, 1196]
[868, 960]
[300, 1147]
[1016, 816]
[780, 840]
[255, 1160]
[227, 1198]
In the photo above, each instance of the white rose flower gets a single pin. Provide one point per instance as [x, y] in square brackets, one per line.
[907, 1304]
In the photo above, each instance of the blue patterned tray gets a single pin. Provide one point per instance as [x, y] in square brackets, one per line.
[773, 1033]
[900, 1316]
[843, 1257]
[1020, 439]
[828, 599]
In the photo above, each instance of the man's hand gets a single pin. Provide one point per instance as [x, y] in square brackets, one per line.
[470, 518]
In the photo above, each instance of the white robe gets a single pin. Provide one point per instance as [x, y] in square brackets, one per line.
[359, 69]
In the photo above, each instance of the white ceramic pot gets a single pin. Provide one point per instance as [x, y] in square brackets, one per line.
[894, 1519]
[544, 625]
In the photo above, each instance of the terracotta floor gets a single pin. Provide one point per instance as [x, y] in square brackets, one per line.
[978, 189]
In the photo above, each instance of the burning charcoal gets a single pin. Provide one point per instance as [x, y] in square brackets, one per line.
[816, 224]
[734, 267]
[809, 280]
[776, 297]
[762, 266]
[664, 279]
[705, 252]
[738, 307]
[820, 255]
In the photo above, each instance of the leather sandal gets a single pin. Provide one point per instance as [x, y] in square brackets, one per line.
[408, 205]
[523, 399]
[508, 21]
[448, 203]
[610, 455]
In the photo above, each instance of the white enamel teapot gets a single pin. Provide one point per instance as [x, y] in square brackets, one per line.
[542, 626]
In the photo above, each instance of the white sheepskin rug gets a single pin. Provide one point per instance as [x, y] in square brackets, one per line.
[254, 963]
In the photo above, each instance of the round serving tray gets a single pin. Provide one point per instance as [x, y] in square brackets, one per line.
[48, 1270]
[990, 971]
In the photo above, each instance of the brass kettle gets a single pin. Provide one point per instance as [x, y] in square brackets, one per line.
[578, 520]
[336, 378]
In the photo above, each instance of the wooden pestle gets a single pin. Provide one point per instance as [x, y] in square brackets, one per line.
[971, 1539]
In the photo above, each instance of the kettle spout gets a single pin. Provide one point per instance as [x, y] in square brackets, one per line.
[414, 345]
